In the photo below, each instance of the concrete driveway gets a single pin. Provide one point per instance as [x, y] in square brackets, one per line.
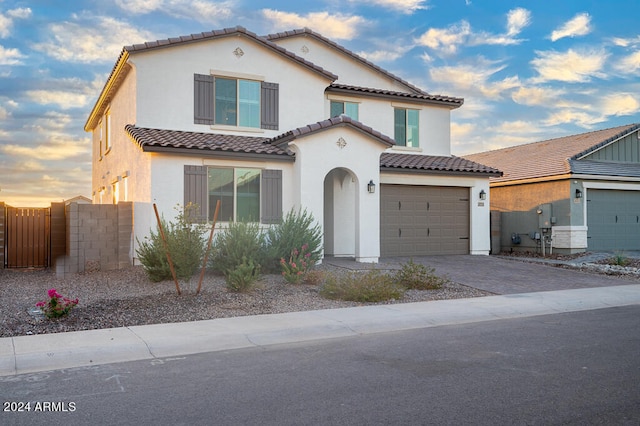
[500, 275]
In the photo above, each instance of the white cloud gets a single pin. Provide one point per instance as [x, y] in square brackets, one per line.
[620, 104]
[20, 13]
[199, 10]
[381, 55]
[336, 26]
[101, 40]
[566, 116]
[6, 20]
[475, 78]
[447, 39]
[629, 64]
[579, 25]
[536, 96]
[405, 6]
[571, 66]
[140, 6]
[10, 56]
[517, 20]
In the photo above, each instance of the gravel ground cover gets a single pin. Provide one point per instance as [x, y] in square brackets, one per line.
[127, 298]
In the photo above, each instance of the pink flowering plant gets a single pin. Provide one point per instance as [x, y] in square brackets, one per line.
[57, 306]
[299, 263]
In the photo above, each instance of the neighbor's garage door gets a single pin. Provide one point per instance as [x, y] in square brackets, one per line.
[613, 219]
[423, 220]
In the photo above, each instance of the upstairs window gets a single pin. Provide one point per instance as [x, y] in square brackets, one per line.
[107, 131]
[349, 109]
[235, 102]
[406, 127]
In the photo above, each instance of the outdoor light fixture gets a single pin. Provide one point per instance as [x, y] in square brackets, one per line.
[483, 195]
[371, 187]
[578, 193]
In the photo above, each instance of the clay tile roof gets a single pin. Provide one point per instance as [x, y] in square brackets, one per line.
[433, 163]
[311, 33]
[224, 33]
[202, 143]
[548, 158]
[341, 120]
[446, 100]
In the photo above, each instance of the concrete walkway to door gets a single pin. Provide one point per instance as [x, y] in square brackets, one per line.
[499, 275]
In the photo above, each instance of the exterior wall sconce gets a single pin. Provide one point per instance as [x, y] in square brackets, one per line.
[371, 187]
[483, 195]
[578, 193]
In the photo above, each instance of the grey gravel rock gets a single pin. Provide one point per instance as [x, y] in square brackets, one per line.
[127, 298]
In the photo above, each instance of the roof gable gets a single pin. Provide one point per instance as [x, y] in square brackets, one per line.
[306, 32]
[121, 66]
[548, 158]
[333, 122]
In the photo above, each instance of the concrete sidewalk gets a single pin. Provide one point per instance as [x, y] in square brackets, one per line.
[28, 354]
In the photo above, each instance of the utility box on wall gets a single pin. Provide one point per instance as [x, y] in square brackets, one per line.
[544, 216]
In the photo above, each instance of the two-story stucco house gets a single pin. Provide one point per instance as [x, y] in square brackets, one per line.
[292, 120]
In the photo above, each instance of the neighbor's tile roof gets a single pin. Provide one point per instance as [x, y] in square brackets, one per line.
[321, 38]
[341, 120]
[433, 163]
[445, 100]
[550, 157]
[202, 143]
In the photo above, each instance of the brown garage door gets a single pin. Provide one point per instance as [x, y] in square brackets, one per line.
[424, 220]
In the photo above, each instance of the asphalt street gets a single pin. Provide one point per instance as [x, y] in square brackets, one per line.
[575, 368]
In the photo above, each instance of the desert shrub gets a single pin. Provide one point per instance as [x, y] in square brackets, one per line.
[419, 277]
[619, 259]
[298, 228]
[239, 243]
[243, 277]
[370, 286]
[313, 277]
[295, 269]
[186, 244]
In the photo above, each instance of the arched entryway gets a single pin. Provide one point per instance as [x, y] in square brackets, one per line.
[340, 213]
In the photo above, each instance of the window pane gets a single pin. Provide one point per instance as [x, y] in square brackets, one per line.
[225, 101]
[413, 120]
[248, 192]
[351, 109]
[221, 188]
[249, 103]
[400, 122]
[337, 108]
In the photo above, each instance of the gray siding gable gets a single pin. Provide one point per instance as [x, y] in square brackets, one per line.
[625, 150]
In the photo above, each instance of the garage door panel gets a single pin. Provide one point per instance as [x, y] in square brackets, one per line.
[613, 219]
[424, 220]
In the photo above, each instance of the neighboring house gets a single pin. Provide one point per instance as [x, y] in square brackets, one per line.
[583, 191]
[286, 121]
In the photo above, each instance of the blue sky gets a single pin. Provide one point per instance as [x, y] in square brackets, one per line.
[528, 70]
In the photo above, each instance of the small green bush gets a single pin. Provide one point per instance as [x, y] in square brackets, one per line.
[367, 287]
[241, 242]
[619, 259]
[243, 277]
[298, 228]
[186, 244]
[418, 277]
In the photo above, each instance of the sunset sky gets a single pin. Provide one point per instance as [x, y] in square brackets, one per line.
[528, 70]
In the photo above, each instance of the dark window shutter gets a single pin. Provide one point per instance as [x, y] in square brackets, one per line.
[269, 106]
[271, 196]
[203, 99]
[195, 191]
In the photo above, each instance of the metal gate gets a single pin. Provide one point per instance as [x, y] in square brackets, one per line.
[27, 237]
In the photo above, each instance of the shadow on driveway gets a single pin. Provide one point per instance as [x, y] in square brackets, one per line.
[497, 274]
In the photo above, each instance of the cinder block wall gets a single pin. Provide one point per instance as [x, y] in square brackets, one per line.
[3, 214]
[58, 232]
[98, 237]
